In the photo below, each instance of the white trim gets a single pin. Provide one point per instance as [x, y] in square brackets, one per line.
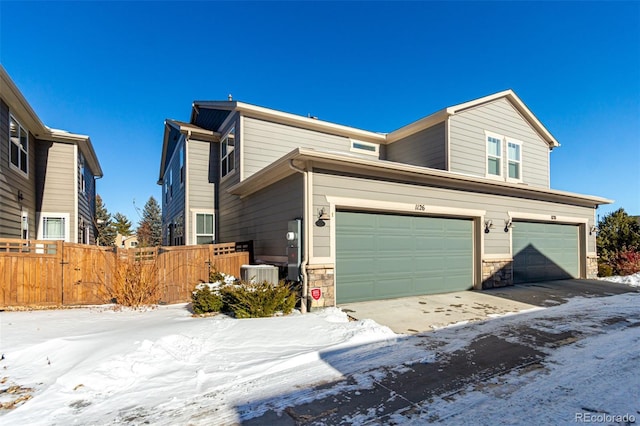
[508, 160]
[547, 218]
[222, 141]
[500, 138]
[241, 151]
[188, 225]
[67, 225]
[353, 148]
[391, 206]
[447, 141]
[19, 146]
[196, 212]
[75, 195]
[496, 257]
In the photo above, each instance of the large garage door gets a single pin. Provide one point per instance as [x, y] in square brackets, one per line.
[382, 256]
[545, 251]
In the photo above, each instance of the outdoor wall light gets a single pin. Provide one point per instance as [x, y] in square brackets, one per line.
[508, 224]
[488, 225]
[20, 196]
[322, 216]
[594, 230]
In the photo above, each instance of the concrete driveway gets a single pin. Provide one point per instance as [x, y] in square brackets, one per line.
[410, 315]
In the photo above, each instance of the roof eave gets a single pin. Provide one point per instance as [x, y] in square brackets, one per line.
[279, 170]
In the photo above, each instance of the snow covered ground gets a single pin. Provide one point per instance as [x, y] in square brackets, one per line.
[162, 366]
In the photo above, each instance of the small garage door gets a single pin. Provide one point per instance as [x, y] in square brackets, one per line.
[545, 251]
[383, 256]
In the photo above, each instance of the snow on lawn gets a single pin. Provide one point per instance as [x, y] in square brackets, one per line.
[162, 366]
[632, 280]
[102, 366]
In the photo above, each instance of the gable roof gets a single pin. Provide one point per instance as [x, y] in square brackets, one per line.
[169, 143]
[441, 115]
[212, 114]
[18, 104]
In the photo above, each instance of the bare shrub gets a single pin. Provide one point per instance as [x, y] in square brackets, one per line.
[134, 282]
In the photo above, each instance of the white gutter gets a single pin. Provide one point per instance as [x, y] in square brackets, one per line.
[305, 220]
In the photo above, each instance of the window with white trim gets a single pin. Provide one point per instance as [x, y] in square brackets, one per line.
[227, 153]
[514, 158]
[54, 226]
[182, 148]
[18, 145]
[494, 156]
[365, 147]
[83, 183]
[204, 233]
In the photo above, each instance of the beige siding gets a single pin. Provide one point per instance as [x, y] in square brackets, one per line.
[201, 190]
[468, 146]
[264, 142]
[425, 148]
[497, 242]
[56, 179]
[263, 216]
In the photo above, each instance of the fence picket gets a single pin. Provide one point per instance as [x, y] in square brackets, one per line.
[44, 273]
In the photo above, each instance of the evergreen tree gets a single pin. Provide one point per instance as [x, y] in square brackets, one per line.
[121, 224]
[106, 233]
[618, 234]
[150, 227]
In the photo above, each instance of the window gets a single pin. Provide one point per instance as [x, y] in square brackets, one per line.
[19, 146]
[25, 225]
[54, 226]
[83, 184]
[494, 155]
[170, 183]
[227, 153]
[365, 147]
[182, 166]
[514, 157]
[204, 228]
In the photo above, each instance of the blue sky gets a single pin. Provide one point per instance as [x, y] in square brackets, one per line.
[116, 70]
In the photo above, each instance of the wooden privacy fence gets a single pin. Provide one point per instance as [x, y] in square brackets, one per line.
[57, 273]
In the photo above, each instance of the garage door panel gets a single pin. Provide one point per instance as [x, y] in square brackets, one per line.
[545, 251]
[409, 256]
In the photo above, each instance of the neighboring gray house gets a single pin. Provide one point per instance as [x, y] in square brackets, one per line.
[457, 200]
[47, 176]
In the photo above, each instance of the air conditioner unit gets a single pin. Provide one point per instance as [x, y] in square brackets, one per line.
[259, 273]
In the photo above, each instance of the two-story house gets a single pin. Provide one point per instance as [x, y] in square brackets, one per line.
[47, 176]
[457, 200]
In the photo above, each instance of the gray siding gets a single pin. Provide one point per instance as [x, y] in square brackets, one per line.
[173, 201]
[12, 181]
[201, 189]
[496, 206]
[86, 201]
[426, 148]
[468, 145]
[264, 142]
[56, 181]
[263, 216]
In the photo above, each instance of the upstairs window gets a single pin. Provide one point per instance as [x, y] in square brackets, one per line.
[227, 153]
[83, 183]
[514, 154]
[19, 145]
[182, 165]
[365, 147]
[494, 156]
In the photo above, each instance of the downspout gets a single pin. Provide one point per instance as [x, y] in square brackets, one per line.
[303, 264]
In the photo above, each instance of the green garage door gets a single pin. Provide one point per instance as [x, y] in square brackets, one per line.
[545, 251]
[382, 256]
